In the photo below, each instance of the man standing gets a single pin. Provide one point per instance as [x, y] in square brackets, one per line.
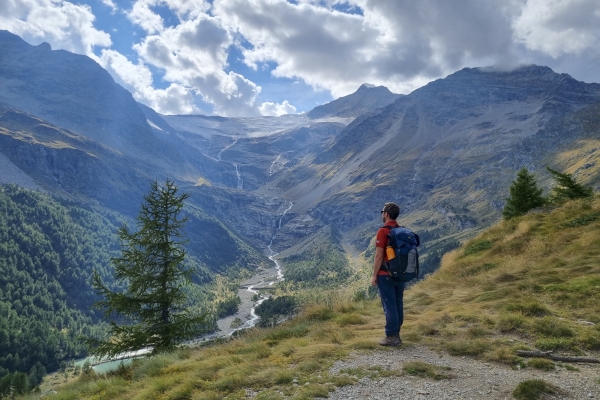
[391, 291]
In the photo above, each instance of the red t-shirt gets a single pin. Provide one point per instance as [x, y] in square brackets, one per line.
[381, 241]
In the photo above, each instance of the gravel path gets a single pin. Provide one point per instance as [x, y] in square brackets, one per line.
[471, 379]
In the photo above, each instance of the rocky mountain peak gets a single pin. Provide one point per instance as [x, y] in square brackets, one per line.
[45, 46]
[70, 91]
[366, 99]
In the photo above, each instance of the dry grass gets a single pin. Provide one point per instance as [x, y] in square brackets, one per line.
[531, 278]
[522, 284]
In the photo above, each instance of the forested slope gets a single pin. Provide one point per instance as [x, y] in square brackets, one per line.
[47, 253]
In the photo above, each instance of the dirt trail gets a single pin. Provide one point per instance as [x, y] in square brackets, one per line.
[470, 379]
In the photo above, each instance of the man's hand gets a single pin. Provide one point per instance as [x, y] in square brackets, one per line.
[377, 264]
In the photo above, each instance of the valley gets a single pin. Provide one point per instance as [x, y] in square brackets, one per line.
[302, 191]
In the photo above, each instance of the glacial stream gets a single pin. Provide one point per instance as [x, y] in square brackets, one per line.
[263, 281]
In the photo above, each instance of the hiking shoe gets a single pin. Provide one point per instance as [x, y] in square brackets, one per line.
[390, 341]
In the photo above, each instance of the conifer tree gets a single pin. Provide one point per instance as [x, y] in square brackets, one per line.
[151, 265]
[567, 188]
[524, 195]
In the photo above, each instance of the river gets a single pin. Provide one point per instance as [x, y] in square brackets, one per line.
[263, 282]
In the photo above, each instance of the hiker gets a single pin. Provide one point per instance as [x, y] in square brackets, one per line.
[390, 290]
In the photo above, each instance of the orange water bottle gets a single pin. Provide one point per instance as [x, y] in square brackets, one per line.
[391, 254]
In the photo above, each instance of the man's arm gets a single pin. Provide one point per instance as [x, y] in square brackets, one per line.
[377, 264]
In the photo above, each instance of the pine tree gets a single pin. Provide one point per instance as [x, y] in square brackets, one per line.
[524, 195]
[151, 265]
[567, 188]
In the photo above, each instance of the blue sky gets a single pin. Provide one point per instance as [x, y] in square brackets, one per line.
[270, 57]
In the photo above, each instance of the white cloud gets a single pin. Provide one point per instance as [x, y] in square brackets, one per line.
[111, 4]
[194, 54]
[402, 44]
[273, 109]
[560, 27]
[65, 25]
[176, 99]
[230, 93]
[137, 78]
[142, 15]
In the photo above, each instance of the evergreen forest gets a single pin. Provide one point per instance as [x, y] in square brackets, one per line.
[48, 250]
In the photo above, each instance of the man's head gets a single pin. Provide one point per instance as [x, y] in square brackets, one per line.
[391, 211]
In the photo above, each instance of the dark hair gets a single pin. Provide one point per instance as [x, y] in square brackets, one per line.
[392, 209]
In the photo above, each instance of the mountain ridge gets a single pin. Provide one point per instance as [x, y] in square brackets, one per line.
[367, 98]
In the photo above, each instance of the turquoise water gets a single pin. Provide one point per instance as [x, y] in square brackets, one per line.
[111, 366]
[104, 367]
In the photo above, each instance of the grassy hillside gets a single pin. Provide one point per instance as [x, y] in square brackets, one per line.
[531, 282]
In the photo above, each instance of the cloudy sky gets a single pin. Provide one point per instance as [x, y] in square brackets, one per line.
[271, 57]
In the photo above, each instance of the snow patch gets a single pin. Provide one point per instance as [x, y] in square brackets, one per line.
[154, 125]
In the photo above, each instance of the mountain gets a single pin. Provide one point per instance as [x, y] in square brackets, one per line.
[367, 98]
[446, 153]
[73, 92]
[308, 188]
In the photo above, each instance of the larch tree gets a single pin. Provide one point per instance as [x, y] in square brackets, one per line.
[524, 195]
[151, 266]
[567, 188]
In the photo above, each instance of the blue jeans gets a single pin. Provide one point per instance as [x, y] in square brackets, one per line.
[391, 292]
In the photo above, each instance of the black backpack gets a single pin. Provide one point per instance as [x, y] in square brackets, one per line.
[403, 263]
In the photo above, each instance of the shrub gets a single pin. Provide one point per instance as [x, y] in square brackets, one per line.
[591, 340]
[476, 247]
[319, 313]
[552, 327]
[551, 344]
[350, 319]
[541, 363]
[425, 370]
[285, 332]
[510, 321]
[586, 219]
[529, 308]
[533, 389]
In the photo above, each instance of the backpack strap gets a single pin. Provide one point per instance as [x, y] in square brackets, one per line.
[401, 226]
